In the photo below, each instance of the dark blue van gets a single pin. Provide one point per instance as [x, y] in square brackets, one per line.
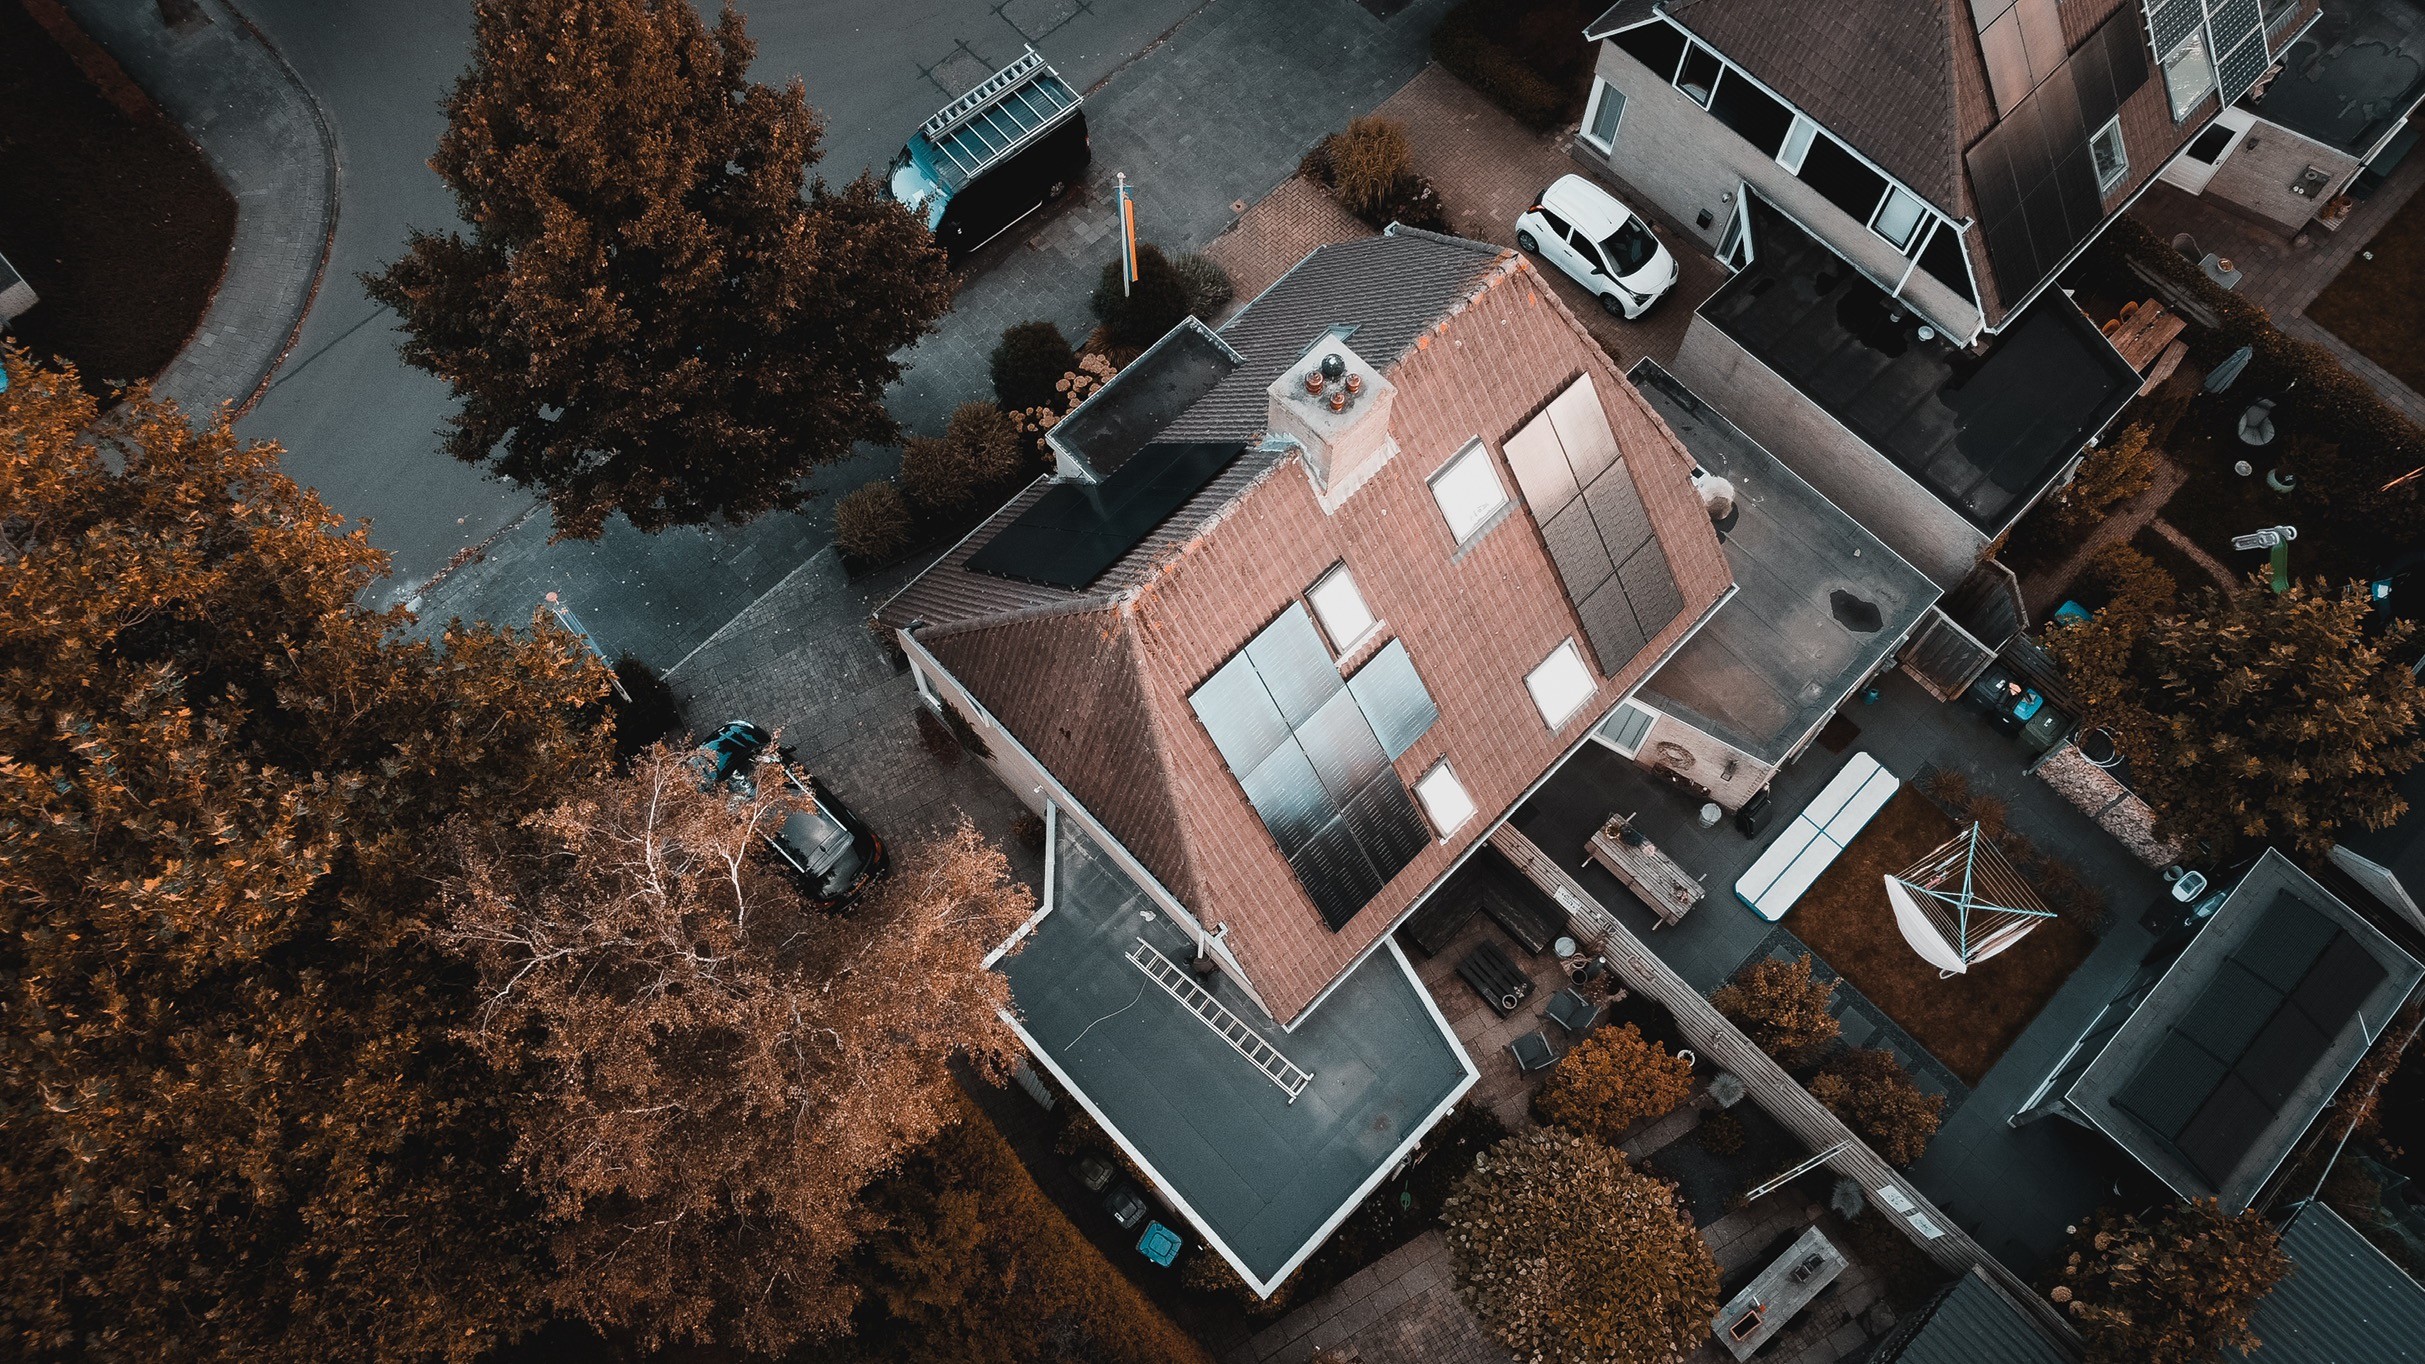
[994, 155]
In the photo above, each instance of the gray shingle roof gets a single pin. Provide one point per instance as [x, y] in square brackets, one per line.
[1973, 1323]
[2347, 1303]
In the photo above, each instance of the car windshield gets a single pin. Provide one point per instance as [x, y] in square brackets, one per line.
[1630, 247]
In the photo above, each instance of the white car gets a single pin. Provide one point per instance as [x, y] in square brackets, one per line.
[1605, 246]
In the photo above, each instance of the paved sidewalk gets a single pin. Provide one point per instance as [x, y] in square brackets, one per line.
[267, 141]
[1400, 1309]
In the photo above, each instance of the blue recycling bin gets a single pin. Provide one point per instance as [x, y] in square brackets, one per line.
[1159, 1244]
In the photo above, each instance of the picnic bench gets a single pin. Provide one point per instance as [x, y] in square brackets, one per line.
[1649, 873]
[1500, 982]
[1754, 1316]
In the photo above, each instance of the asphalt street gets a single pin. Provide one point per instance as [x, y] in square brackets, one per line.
[1204, 102]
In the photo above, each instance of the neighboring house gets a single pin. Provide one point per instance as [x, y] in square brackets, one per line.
[1970, 1321]
[2334, 120]
[1275, 650]
[15, 294]
[1897, 185]
[2208, 1068]
[1820, 608]
[2345, 1302]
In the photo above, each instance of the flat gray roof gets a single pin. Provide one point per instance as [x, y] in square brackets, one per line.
[2350, 79]
[2244, 1111]
[1264, 1179]
[1820, 602]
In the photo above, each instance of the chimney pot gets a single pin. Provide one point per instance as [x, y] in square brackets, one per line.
[1355, 384]
[1338, 400]
[1313, 381]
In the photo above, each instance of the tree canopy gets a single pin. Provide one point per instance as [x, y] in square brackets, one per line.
[707, 1072]
[2176, 1288]
[237, 1121]
[2254, 716]
[1781, 1006]
[656, 310]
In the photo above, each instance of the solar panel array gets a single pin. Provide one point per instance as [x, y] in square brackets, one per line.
[2227, 1066]
[2235, 37]
[1074, 532]
[1003, 113]
[2034, 179]
[1591, 515]
[1313, 752]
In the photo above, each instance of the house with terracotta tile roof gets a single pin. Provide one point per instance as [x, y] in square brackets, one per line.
[1309, 605]
[1897, 186]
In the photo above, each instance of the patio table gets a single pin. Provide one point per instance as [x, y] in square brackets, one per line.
[1754, 1316]
[1646, 871]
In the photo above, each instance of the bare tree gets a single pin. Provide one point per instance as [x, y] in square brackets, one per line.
[710, 1071]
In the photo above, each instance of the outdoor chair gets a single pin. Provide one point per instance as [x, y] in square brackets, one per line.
[1533, 1052]
[1571, 1011]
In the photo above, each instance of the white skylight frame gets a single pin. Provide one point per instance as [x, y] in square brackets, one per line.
[1561, 684]
[1445, 801]
[1468, 491]
[2109, 135]
[1340, 609]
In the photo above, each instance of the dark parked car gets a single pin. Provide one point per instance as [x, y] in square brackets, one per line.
[994, 155]
[831, 855]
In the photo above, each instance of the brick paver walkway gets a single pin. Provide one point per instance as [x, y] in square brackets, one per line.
[1273, 235]
[1401, 1309]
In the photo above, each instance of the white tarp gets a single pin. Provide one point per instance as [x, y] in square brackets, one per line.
[1810, 842]
[1921, 931]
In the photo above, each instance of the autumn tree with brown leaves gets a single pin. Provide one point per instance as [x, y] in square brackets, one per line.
[712, 1071]
[1869, 1089]
[1781, 1006]
[1612, 1080]
[237, 1124]
[656, 310]
[2177, 1288]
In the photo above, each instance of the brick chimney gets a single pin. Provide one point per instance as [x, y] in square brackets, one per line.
[1337, 408]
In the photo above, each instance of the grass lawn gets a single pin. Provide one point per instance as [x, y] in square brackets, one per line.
[116, 221]
[1964, 1021]
[2374, 304]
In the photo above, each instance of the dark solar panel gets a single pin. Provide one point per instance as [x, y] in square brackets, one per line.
[2230, 1012]
[1286, 793]
[1386, 825]
[2218, 1138]
[1616, 504]
[1240, 715]
[1295, 666]
[2282, 1056]
[2171, 1085]
[1574, 546]
[1075, 531]
[1339, 741]
[2285, 942]
[1336, 874]
[2037, 188]
[1608, 622]
[1394, 698]
[1650, 586]
[2338, 983]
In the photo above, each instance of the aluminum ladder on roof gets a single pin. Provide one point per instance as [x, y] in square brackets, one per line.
[1003, 113]
[966, 106]
[1288, 1075]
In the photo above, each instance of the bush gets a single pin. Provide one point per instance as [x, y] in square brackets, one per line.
[1028, 361]
[979, 452]
[1612, 1080]
[872, 522]
[1721, 1133]
[1091, 372]
[1367, 162]
[644, 708]
[1522, 57]
[1152, 306]
[1782, 1007]
[1571, 1256]
[2111, 475]
[2177, 1289]
[1207, 284]
[1875, 1097]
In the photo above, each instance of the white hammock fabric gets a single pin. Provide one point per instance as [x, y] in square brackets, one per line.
[1963, 903]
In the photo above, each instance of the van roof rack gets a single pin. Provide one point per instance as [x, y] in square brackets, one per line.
[1004, 112]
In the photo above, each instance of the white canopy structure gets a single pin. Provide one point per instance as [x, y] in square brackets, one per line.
[1963, 903]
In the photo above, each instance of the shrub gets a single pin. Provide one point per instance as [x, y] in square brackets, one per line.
[936, 738]
[644, 708]
[1781, 1007]
[2177, 1289]
[1152, 306]
[978, 452]
[2112, 474]
[1571, 1256]
[1869, 1089]
[1207, 284]
[1612, 1080]
[1028, 361]
[872, 522]
[1721, 1133]
[1367, 162]
[1091, 373]
[1474, 43]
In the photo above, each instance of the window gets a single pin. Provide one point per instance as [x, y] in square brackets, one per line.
[1842, 178]
[1734, 245]
[1600, 123]
[2210, 145]
[1444, 798]
[1797, 144]
[1899, 217]
[2188, 75]
[1341, 609]
[1626, 727]
[1761, 119]
[1556, 223]
[1656, 45]
[1699, 74]
[1560, 685]
[1942, 259]
[1468, 491]
[2112, 158]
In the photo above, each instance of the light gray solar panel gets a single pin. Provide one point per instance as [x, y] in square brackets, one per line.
[1285, 792]
[1244, 722]
[1542, 472]
[1574, 546]
[1339, 741]
[2243, 65]
[2171, 21]
[1616, 504]
[1394, 699]
[2233, 18]
[1651, 587]
[1295, 667]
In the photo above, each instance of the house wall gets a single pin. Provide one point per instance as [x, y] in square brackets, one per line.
[1894, 507]
[1669, 149]
[2258, 174]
